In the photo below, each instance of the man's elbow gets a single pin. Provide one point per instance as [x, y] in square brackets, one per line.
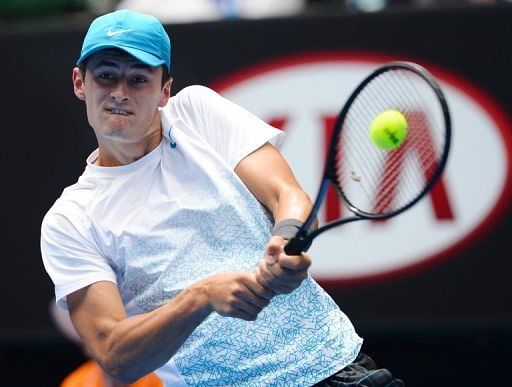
[120, 371]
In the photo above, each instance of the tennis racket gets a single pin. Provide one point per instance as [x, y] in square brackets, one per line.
[374, 183]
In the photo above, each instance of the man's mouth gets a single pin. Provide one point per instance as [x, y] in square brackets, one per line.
[119, 111]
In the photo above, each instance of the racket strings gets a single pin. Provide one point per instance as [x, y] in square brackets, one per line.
[378, 181]
[355, 171]
[368, 117]
[362, 141]
[393, 170]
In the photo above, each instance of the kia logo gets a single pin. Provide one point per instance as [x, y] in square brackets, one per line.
[302, 95]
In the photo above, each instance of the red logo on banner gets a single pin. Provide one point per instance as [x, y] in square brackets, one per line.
[302, 96]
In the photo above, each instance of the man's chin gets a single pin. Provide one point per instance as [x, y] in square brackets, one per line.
[119, 133]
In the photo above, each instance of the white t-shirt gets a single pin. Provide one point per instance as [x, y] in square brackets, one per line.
[177, 215]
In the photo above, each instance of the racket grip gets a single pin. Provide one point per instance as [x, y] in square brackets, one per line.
[297, 245]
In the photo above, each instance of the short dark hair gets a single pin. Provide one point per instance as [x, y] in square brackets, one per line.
[166, 75]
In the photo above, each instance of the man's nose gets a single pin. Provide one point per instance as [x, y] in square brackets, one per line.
[119, 92]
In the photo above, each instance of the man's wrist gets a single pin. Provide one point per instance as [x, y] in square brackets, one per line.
[287, 228]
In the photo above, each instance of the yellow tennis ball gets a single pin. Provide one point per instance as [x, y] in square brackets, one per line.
[388, 129]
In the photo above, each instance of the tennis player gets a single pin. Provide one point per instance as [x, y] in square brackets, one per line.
[163, 250]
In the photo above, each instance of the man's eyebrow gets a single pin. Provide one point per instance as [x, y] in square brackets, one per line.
[141, 66]
[105, 62]
[132, 65]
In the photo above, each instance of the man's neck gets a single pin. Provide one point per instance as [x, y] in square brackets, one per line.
[116, 153]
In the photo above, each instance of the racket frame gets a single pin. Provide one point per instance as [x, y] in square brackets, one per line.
[304, 237]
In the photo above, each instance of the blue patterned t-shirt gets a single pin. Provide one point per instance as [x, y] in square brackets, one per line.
[180, 214]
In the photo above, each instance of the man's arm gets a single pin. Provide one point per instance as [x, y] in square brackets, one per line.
[128, 348]
[267, 175]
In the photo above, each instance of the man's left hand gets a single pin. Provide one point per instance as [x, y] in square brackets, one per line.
[279, 272]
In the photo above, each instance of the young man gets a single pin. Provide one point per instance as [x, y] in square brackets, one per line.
[156, 250]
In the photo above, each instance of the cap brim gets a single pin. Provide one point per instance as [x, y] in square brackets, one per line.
[140, 55]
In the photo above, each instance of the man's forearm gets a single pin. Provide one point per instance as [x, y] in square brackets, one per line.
[138, 345]
[293, 203]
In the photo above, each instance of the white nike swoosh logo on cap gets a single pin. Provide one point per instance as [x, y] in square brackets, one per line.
[118, 32]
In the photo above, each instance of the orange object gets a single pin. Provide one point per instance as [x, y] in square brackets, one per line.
[90, 374]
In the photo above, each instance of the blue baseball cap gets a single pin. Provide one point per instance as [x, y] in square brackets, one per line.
[140, 35]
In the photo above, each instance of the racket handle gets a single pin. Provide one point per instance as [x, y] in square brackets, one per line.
[297, 245]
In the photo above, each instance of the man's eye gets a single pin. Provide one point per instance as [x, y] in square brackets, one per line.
[139, 80]
[106, 76]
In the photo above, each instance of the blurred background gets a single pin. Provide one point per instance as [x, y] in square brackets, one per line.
[440, 315]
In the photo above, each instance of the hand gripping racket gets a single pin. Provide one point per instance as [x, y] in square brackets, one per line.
[374, 183]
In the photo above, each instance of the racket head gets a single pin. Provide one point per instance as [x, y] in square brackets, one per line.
[376, 183]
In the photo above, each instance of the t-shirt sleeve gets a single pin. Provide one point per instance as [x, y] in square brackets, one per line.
[230, 129]
[70, 258]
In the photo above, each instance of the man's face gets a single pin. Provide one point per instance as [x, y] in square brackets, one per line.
[122, 96]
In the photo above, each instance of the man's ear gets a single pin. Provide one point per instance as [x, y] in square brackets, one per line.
[166, 93]
[78, 83]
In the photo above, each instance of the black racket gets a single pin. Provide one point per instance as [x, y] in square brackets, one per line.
[374, 183]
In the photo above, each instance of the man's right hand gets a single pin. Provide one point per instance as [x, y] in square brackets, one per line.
[236, 294]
